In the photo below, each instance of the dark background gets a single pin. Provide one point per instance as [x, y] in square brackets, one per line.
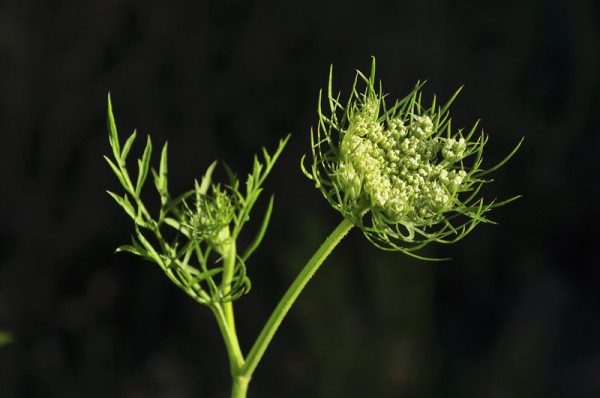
[513, 314]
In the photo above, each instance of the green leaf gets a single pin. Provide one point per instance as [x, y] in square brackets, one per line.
[503, 161]
[157, 181]
[127, 146]
[450, 101]
[261, 232]
[233, 180]
[124, 203]
[266, 156]
[143, 167]
[208, 274]
[152, 253]
[172, 205]
[131, 249]
[113, 136]
[162, 172]
[273, 158]
[117, 172]
[207, 178]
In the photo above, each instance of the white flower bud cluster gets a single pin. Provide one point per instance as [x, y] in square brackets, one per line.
[399, 172]
[397, 167]
[454, 150]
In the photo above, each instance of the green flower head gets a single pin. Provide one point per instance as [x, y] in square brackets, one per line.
[399, 172]
[210, 218]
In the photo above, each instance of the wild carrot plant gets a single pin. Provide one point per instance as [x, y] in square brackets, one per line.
[397, 171]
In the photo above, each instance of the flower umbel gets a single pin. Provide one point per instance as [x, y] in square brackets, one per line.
[400, 173]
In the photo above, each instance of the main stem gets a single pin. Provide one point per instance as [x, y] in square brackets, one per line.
[229, 259]
[224, 313]
[266, 335]
[239, 387]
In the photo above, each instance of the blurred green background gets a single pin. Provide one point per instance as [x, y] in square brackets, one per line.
[513, 314]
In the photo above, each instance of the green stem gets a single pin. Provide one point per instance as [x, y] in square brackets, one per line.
[239, 387]
[229, 259]
[225, 315]
[266, 335]
[236, 358]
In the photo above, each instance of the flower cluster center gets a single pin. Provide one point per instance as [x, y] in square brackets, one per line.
[400, 166]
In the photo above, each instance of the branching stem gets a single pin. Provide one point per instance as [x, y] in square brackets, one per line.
[242, 369]
[266, 335]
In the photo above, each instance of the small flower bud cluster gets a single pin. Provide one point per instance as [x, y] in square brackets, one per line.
[209, 220]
